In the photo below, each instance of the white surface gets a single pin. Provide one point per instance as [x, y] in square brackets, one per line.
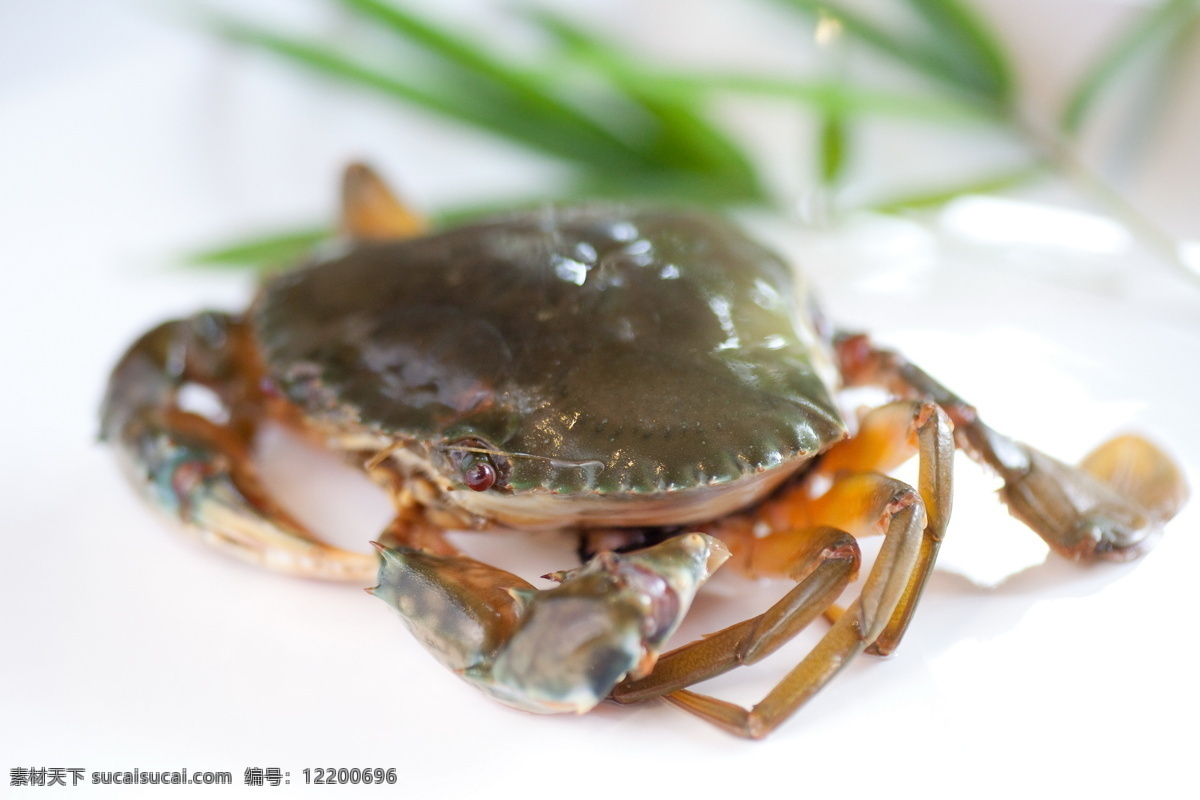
[125, 140]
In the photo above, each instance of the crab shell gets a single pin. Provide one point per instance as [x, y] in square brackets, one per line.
[605, 366]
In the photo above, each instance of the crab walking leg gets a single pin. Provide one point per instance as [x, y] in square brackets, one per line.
[935, 441]
[198, 470]
[861, 624]
[371, 211]
[826, 562]
[887, 437]
[1112, 506]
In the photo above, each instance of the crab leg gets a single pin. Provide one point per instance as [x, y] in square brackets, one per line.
[196, 468]
[936, 447]
[370, 211]
[821, 560]
[866, 618]
[826, 563]
[887, 437]
[1109, 507]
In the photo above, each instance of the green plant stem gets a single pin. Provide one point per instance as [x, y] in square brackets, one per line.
[1155, 24]
[1058, 155]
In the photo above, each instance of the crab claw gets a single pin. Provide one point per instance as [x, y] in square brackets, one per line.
[557, 650]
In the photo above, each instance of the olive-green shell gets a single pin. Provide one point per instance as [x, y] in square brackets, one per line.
[601, 350]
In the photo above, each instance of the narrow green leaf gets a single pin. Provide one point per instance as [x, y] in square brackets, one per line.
[988, 184]
[1160, 78]
[832, 125]
[525, 96]
[332, 63]
[284, 249]
[833, 148]
[475, 108]
[674, 188]
[1152, 28]
[673, 100]
[919, 55]
[970, 45]
[868, 32]
[264, 252]
[826, 96]
[680, 137]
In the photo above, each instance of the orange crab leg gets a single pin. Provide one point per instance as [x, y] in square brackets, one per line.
[823, 560]
[826, 562]
[885, 439]
[370, 211]
[888, 436]
[935, 442]
[866, 618]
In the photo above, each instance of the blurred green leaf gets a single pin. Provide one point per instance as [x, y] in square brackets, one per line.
[1157, 27]
[833, 148]
[826, 96]
[876, 36]
[681, 138]
[475, 108]
[970, 47]
[265, 252]
[519, 92]
[630, 128]
[958, 35]
[987, 184]
[1166, 67]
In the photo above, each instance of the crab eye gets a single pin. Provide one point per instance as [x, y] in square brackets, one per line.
[478, 474]
[478, 464]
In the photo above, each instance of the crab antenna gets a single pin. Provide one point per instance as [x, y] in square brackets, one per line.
[371, 211]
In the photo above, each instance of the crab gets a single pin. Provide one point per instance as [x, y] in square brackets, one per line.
[652, 380]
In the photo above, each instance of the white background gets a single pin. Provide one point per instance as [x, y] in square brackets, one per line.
[128, 138]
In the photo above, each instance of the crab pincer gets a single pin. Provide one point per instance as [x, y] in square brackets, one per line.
[552, 650]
